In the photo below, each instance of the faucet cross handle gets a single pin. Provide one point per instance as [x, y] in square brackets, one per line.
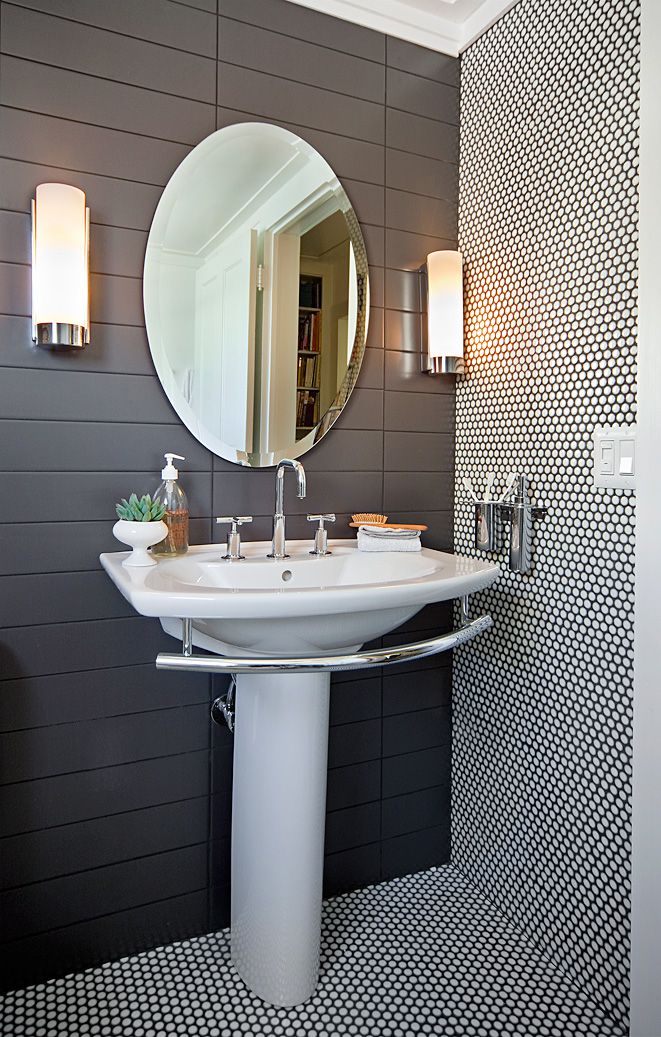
[236, 520]
[321, 534]
[233, 536]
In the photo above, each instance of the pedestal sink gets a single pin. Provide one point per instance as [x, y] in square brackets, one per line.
[281, 626]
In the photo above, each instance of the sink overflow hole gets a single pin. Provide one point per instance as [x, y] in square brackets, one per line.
[287, 575]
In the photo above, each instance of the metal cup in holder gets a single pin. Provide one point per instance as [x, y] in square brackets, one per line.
[487, 525]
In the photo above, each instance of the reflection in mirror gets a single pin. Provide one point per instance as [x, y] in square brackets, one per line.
[256, 294]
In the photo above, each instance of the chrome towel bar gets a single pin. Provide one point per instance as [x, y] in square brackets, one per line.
[321, 663]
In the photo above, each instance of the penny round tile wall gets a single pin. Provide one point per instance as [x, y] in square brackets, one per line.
[542, 706]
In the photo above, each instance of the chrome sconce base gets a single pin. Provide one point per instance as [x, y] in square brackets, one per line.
[443, 365]
[55, 335]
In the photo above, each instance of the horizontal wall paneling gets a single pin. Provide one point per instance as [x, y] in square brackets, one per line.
[115, 802]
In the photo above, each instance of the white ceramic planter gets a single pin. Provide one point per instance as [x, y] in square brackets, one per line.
[139, 536]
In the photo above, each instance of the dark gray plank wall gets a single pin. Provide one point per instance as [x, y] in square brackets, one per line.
[115, 789]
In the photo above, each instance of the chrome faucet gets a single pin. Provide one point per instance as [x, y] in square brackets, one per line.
[279, 544]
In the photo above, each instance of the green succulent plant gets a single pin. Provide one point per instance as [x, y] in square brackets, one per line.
[143, 510]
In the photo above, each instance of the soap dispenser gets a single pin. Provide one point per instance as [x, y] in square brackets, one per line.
[173, 497]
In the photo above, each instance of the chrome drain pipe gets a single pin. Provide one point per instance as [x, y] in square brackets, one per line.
[223, 709]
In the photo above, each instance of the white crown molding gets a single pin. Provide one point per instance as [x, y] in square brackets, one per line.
[395, 18]
[486, 16]
[448, 34]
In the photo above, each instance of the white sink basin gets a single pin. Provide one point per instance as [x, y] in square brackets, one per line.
[301, 605]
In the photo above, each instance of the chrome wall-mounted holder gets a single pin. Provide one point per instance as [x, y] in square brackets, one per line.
[487, 526]
[521, 514]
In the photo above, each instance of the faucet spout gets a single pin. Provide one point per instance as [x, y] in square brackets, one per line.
[278, 544]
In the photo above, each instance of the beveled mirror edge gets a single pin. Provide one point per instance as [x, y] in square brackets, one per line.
[260, 459]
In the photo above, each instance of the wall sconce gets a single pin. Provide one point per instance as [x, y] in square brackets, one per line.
[60, 267]
[444, 352]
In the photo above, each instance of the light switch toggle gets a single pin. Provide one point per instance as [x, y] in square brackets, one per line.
[614, 457]
[606, 461]
[627, 457]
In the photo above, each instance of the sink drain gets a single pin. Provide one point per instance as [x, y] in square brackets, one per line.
[287, 575]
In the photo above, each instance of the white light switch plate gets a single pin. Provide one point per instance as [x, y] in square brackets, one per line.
[614, 457]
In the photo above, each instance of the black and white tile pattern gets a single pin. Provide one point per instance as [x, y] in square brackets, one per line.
[542, 706]
[425, 954]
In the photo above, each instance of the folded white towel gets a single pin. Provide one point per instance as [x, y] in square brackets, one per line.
[374, 538]
[389, 532]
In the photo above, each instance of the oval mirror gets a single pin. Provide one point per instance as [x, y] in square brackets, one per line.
[256, 294]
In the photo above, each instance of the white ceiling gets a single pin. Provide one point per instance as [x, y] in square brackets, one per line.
[448, 26]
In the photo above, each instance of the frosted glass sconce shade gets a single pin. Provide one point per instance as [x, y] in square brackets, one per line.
[60, 267]
[445, 313]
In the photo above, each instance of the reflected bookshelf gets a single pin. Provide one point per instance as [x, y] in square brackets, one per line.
[308, 374]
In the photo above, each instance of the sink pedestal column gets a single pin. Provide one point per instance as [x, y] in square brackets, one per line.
[278, 820]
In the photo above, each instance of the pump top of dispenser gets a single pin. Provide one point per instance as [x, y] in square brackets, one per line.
[522, 490]
[170, 472]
